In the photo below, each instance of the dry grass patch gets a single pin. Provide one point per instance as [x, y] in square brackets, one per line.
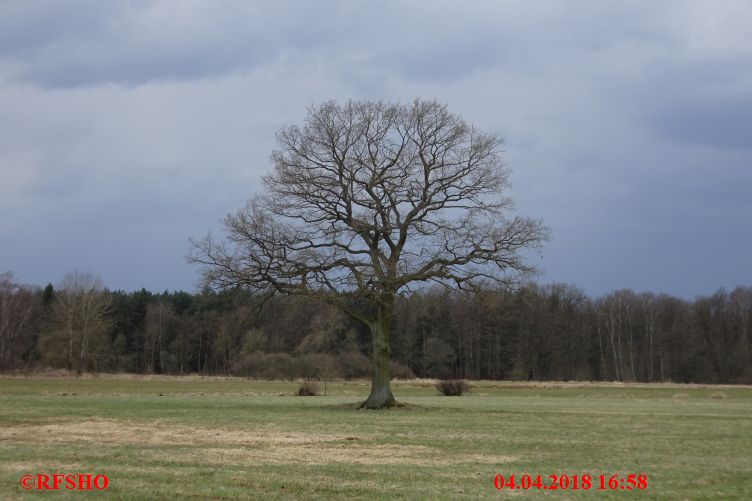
[326, 453]
[236, 447]
[37, 467]
[113, 431]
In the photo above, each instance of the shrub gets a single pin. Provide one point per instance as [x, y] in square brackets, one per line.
[308, 388]
[452, 387]
[265, 366]
[353, 365]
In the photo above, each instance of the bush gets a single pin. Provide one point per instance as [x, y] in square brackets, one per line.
[282, 366]
[353, 365]
[308, 389]
[279, 366]
[452, 387]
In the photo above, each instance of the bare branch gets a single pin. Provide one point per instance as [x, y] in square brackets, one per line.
[369, 198]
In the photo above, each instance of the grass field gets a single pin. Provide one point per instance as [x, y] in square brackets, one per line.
[227, 438]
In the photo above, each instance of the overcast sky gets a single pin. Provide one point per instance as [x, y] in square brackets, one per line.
[127, 127]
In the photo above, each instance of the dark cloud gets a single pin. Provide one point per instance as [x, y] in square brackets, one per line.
[129, 126]
[84, 42]
[720, 121]
[53, 44]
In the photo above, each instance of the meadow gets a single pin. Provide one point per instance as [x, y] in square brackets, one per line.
[229, 438]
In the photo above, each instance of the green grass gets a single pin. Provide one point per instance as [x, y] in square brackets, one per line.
[227, 438]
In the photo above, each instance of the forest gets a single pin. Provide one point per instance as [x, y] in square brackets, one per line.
[534, 332]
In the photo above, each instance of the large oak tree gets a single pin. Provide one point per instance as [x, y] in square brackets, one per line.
[366, 200]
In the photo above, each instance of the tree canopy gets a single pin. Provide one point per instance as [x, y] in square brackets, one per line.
[370, 199]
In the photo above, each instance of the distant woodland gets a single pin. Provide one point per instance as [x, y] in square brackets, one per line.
[536, 332]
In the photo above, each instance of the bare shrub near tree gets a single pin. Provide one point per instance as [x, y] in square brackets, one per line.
[327, 371]
[308, 388]
[367, 199]
[452, 387]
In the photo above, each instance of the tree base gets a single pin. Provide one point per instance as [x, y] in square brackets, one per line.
[379, 400]
[375, 406]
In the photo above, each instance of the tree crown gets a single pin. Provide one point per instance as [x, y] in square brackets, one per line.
[371, 197]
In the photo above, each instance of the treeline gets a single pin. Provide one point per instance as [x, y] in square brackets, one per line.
[551, 332]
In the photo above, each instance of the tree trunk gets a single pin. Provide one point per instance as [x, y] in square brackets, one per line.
[381, 392]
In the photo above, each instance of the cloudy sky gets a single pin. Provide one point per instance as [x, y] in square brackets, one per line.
[127, 127]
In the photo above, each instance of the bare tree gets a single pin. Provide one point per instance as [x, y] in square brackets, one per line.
[367, 199]
[17, 308]
[79, 322]
[160, 315]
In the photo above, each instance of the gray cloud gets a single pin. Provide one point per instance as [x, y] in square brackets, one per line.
[129, 126]
[722, 121]
[51, 44]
